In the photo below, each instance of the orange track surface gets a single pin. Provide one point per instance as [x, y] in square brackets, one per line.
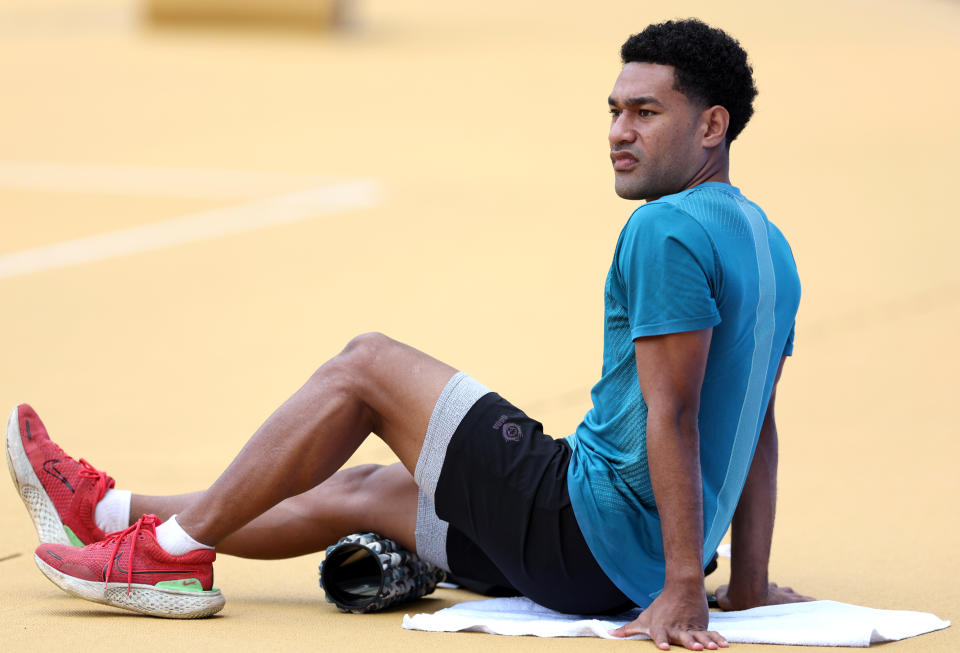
[485, 127]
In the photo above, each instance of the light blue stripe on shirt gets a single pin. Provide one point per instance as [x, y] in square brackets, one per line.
[752, 410]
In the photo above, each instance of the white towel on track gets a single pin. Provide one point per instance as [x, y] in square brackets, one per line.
[817, 623]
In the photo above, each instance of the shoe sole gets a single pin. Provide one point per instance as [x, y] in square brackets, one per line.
[44, 514]
[144, 599]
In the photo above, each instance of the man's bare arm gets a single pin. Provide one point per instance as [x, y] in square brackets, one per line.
[670, 369]
[752, 528]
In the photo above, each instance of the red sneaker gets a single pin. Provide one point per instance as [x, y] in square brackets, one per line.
[60, 493]
[179, 587]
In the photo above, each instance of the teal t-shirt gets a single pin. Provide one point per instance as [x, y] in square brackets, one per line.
[705, 257]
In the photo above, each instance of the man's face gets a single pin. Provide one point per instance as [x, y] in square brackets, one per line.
[655, 142]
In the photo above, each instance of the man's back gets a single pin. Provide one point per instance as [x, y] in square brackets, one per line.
[706, 257]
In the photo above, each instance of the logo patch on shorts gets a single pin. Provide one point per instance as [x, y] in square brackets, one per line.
[510, 431]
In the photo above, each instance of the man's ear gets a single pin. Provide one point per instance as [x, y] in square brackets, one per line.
[716, 119]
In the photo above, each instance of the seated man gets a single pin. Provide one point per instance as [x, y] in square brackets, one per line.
[700, 303]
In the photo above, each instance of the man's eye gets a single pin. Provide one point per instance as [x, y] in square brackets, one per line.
[644, 113]
[615, 113]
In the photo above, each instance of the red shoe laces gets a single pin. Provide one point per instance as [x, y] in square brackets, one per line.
[104, 482]
[118, 538]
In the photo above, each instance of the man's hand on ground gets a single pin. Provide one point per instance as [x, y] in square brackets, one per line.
[675, 618]
[775, 595]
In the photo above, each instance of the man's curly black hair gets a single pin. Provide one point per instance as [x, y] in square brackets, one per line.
[711, 67]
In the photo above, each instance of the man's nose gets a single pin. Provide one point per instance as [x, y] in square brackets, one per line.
[620, 131]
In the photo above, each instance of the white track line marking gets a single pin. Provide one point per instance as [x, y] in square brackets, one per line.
[158, 182]
[207, 225]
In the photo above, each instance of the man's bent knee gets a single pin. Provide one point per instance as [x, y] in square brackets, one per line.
[395, 385]
[360, 355]
[368, 345]
[349, 369]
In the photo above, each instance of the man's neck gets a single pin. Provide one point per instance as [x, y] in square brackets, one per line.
[715, 168]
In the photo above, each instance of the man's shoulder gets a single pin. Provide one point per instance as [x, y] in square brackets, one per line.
[707, 201]
[694, 203]
[719, 209]
[663, 219]
[657, 213]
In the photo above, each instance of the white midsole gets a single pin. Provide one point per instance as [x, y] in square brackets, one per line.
[44, 514]
[137, 597]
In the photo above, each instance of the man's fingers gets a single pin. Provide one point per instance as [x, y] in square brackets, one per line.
[694, 640]
[632, 628]
[687, 639]
[715, 639]
[698, 640]
[623, 631]
[626, 631]
[719, 639]
[660, 637]
[708, 639]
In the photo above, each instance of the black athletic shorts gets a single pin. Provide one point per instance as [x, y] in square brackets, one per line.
[494, 506]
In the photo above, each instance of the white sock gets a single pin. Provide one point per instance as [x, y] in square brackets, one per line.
[113, 511]
[174, 540]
